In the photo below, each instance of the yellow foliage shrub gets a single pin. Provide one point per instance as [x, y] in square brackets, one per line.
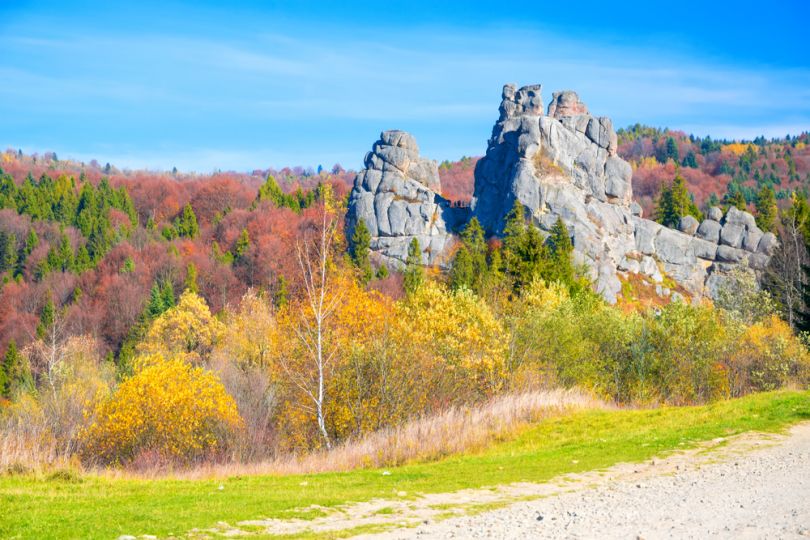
[768, 357]
[188, 328]
[168, 407]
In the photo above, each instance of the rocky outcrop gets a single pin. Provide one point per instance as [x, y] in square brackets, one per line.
[397, 196]
[562, 164]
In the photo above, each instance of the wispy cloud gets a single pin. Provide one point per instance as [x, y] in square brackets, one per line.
[287, 97]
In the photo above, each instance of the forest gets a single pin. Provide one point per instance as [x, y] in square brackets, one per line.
[155, 320]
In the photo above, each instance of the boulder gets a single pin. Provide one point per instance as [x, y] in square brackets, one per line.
[752, 239]
[714, 214]
[767, 244]
[732, 235]
[709, 230]
[688, 225]
[566, 103]
[739, 218]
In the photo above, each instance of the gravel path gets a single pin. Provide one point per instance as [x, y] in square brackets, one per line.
[759, 488]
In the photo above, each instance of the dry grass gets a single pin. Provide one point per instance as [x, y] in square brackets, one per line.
[454, 431]
[544, 165]
[30, 447]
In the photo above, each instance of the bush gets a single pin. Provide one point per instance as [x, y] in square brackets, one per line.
[169, 408]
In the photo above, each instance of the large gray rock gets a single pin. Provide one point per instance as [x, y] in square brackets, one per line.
[562, 165]
[715, 214]
[688, 225]
[398, 197]
[709, 230]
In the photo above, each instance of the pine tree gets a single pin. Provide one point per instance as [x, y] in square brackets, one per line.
[167, 295]
[281, 294]
[382, 271]
[461, 273]
[82, 261]
[414, 273]
[766, 209]
[675, 202]
[47, 317]
[242, 245]
[559, 242]
[65, 254]
[11, 370]
[8, 251]
[155, 305]
[359, 252]
[190, 283]
[186, 224]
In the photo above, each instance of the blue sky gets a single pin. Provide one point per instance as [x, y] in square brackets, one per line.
[247, 85]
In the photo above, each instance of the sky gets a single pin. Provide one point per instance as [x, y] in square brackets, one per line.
[239, 86]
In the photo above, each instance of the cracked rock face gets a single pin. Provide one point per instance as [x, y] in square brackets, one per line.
[397, 195]
[560, 164]
[564, 164]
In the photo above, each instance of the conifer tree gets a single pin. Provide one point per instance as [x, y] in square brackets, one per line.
[10, 370]
[186, 224]
[766, 209]
[461, 273]
[281, 294]
[359, 252]
[674, 203]
[414, 273]
[242, 245]
[190, 283]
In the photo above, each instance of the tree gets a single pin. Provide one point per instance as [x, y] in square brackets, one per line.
[734, 197]
[359, 250]
[242, 245]
[8, 251]
[320, 301]
[462, 275]
[190, 283]
[559, 242]
[188, 329]
[766, 209]
[414, 273]
[186, 224]
[675, 202]
[11, 370]
[784, 278]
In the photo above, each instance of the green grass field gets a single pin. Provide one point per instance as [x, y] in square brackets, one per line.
[94, 507]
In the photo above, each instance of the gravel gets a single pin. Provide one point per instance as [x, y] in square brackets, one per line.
[761, 492]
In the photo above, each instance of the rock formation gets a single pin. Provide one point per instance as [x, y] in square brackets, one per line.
[560, 164]
[397, 195]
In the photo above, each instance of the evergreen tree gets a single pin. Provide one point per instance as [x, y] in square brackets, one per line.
[186, 224]
[414, 273]
[766, 209]
[382, 272]
[82, 261]
[690, 160]
[155, 305]
[167, 294]
[46, 317]
[461, 273]
[190, 283]
[31, 241]
[11, 370]
[359, 250]
[280, 297]
[8, 251]
[671, 151]
[65, 254]
[735, 198]
[271, 191]
[559, 242]
[242, 245]
[675, 202]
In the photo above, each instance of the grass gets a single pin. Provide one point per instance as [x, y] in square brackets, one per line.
[102, 507]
